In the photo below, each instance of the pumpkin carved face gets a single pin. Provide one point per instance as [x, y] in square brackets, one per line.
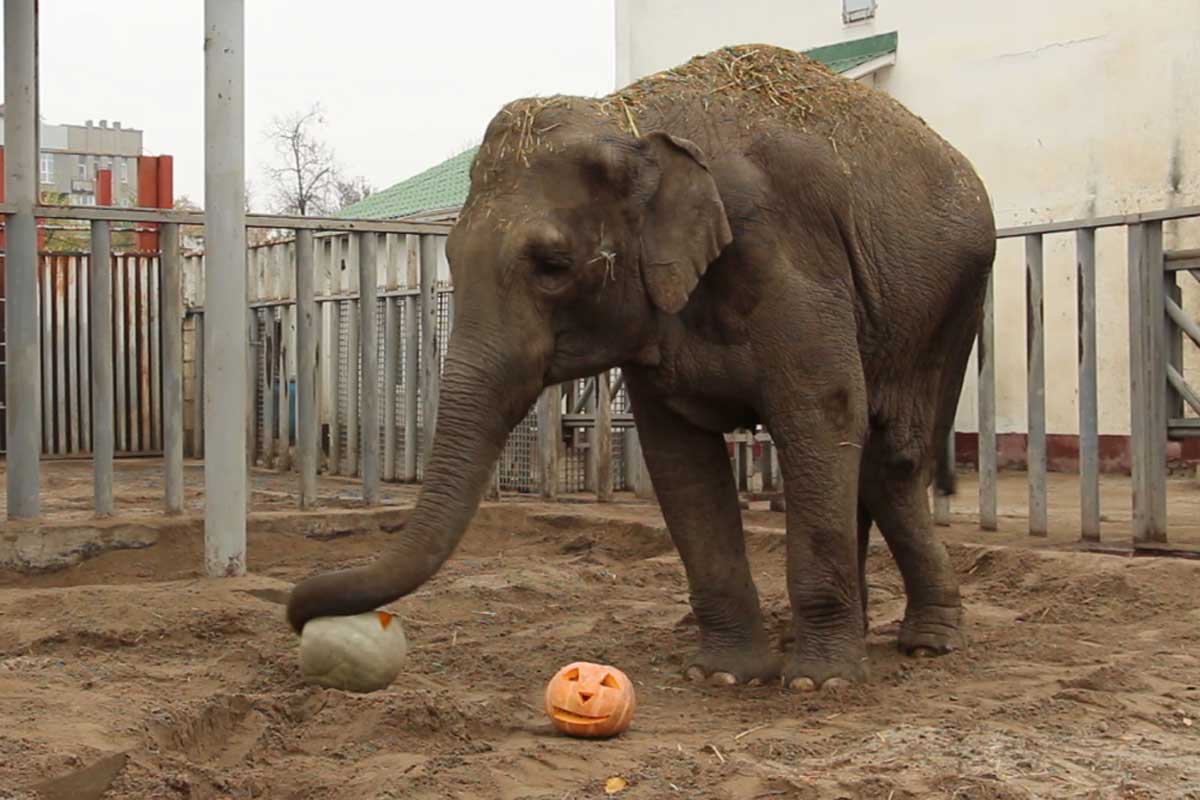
[591, 700]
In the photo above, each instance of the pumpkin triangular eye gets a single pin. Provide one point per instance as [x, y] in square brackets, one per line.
[610, 682]
[572, 675]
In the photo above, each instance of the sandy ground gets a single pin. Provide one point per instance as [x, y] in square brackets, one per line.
[131, 672]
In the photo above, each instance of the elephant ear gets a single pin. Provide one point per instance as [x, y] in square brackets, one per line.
[684, 227]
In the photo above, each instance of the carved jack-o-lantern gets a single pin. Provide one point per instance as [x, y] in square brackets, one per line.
[592, 700]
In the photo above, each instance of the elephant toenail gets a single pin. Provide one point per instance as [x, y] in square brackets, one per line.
[722, 679]
[696, 675]
[755, 682]
[922, 652]
[835, 684]
[803, 684]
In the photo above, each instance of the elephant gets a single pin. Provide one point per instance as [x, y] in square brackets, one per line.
[754, 240]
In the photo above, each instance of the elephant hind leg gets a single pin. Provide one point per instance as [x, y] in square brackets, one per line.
[898, 501]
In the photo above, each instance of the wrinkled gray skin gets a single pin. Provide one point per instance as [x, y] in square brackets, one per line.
[822, 282]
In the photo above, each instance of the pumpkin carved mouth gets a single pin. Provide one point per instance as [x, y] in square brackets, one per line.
[562, 715]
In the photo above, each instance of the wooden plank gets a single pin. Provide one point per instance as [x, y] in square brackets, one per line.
[144, 338]
[391, 355]
[431, 376]
[266, 349]
[61, 391]
[1036, 385]
[171, 411]
[1175, 380]
[352, 388]
[85, 357]
[335, 389]
[941, 502]
[1147, 358]
[74, 381]
[46, 264]
[121, 356]
[549, 436]
[601, 449]
[327, 224]
[100, 304]
[412, 348]
[1173, 342]
[133, 353]
[307, 331]
[154, 332]
[985, 363]
[1179, 317]
[368, 291]
[198, 393]
[1089, 426]
[282, 447]
[636, 473]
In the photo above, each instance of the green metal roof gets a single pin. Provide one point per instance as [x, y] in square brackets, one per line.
[446, 185]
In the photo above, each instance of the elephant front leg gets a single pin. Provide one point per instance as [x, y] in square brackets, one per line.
[820, 449]
[690, 470]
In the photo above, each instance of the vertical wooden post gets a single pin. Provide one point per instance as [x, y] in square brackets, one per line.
[412, 372]
[1089, 437]
[120, 360]
[391, 344]
[44, 265]
[941, 502]
[368, 293]
[306, 369]
[353, 378]
[334, 371]
[1147, 361]
[549, 435]
[431, 376]
[636, 473]
[1036, 389]
[172, 363]
[58, 268]
[601, 449]
[264, 321]
[76, 411]
[198, 399]
[986, 367]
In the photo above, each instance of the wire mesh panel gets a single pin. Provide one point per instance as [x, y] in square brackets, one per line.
[519, 461]
[259, 345]
[620, 405]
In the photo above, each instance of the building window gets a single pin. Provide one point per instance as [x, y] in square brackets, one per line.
[124, 170]
[108, 163]
[47, 167]
[82, 165]
[857, 10]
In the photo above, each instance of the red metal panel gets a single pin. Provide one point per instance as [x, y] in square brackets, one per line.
[104, 187]
[166, 182]
[147, 197]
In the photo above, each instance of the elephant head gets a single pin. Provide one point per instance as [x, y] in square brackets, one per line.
[576, 242]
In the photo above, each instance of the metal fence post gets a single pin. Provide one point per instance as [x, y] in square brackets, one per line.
[306, 368]
[100, 321]
[1035, 450]
[1147, 371]
[21, 259]
[1089, 437]
[172, 367]
[368, 338]
[225, 466]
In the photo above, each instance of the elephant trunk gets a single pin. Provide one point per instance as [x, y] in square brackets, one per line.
[478, 408]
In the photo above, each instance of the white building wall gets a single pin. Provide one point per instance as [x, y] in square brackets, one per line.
[1069, 109]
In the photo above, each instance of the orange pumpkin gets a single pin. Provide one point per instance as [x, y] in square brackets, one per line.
[591, 700]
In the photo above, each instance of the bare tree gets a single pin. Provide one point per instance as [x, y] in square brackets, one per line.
[304, 176]
[348, 191]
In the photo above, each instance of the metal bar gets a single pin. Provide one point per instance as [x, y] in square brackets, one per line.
[119, 357]
[1089, 427]
[391, 345]
[226, 478]
[74, 379]
[622, 421]
[1147, 359]
[585, 397]
[1035, 350]
[306, 369]
[601, 449]
[24, 402]
[172, 367]
[549, 435]
[368, 287]
[100, 317]
[1175, 379]
[985, 362]
[412, 348]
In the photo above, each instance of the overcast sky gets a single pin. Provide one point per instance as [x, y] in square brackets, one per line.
[404, 84]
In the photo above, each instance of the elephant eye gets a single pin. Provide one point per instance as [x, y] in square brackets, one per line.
[552, 263]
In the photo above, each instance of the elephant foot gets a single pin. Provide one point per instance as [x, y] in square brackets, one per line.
[806, 674]
[752, 666]
[931, 630]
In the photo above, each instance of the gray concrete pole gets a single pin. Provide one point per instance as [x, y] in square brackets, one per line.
[306, 359]
[20, 265]
[226, 356]
[100, 323]
[172, 366]
[368, 342]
